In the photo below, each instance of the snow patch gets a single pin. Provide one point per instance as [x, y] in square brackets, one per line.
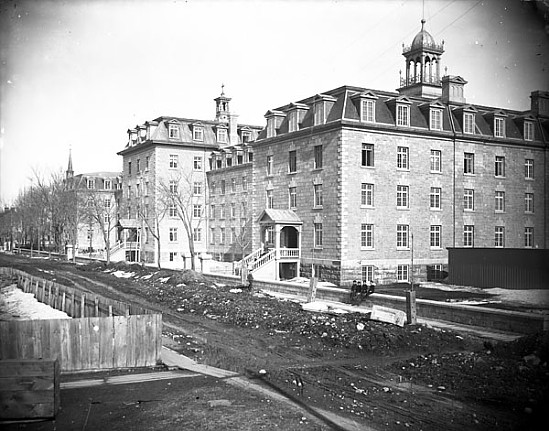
[123, 274]
[18, 305]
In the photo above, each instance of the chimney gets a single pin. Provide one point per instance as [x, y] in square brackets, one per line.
[452, 89]
[540, 103]
[233, 129]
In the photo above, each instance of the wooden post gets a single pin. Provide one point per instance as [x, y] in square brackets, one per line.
[110, 310]
[411, 314]
[63, 302]
[36, 290]
[96, 306]
[82, 305]
[49, 294]
[312, 289]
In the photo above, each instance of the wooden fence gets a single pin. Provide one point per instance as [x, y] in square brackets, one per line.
[103, 334]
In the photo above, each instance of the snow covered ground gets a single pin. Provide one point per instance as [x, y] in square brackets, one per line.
[18, 305]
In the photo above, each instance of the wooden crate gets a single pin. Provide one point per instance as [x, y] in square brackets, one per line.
[29, 388]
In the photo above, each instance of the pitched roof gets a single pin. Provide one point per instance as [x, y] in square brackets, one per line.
[279, 216]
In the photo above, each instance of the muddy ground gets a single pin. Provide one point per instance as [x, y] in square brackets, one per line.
[380, 375]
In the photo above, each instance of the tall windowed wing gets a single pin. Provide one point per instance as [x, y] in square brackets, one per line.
[292, 196]
[403, 115]
[529, 169]
[198, 133]
[435, 198]
[435, 236]
[468, 163]
[318, 235]
[402, 197]
[367, 195]
[292, 161]
[500, 201]
[402, 236]
[468, 199]
[368, 111]
[366, 235]
[270, 202]
[402, 158]
[317, 190]
[173, 131]
[468, 236]
[197, 163]
[528, 131]
[499, 170]
[528, 237]
[436, 161]
[319, 113]
[499, 236]
[529, 202]
[368, 155]
[173, 161]
[269, 165]
[318, 163]
[436, 119]
[499, 127]
[468, 123]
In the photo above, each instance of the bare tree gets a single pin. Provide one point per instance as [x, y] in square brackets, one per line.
[150, 218]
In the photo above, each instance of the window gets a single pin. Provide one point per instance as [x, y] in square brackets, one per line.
[244, 183]
[233, 185]
[317, 191]
[402, 273]
[292, 192]
[367, 195]
[528, 237]
[318, 234]
[468, 163]
[435, 236]
[173, 161]
[271, 128]
[106, 219]
[137, 190]
[468, 122]
[292, 161]
[435, 198]
[292, 121]
[212, 235]
[229, 161]
[172, 256]
[218, 162]
[500, 201]
[367, 235]
[197, 188]
[528, 131]
[270, 202]
[91, 183]
[319, 113]
[529, 169]
[173, 186]
[233, 210]
[499, 169]
[368, 111]
[198, 133]
[468, 236]
[368, 273]
[222, 237]
[368, 155]
[212, 188]
[317, 149]
[529, 202]
[138, 165]
[269, 165]
[129, 168]
[222, 211]
[436, 161]
[402, 158]
[212, 211]
[269, 235]
[107, 203]
[243, 209]
[250, 157]
[197, 163]
[222, 187]
[222, 135]
[499, 236]
[402, 236]
[173, 131]
[468, 199]
[197, 210]
[232, 237]
[172, 210]
[147, 188]
[402, 196]
[173, 234]
[403, 115]
[246, 136]
[499, 127]
[108, 185]
[436, 119]
[147, 162]
[239, 159]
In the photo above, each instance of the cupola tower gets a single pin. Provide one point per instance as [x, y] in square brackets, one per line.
[222, 110]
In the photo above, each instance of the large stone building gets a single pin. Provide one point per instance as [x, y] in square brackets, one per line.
[360, 183]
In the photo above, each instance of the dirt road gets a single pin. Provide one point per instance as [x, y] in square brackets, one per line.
[383, 376]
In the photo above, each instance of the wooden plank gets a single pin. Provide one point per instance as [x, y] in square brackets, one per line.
[65, 358]
[93, 347]
[106, 348]
[120, 342]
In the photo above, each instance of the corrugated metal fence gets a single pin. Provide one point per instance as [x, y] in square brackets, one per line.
[499, 267]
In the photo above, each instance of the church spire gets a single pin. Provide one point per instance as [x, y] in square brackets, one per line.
[69, 173]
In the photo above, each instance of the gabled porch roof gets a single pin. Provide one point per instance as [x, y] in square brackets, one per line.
[272, 216]
[126, 223]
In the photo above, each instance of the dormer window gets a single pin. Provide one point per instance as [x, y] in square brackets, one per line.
[435, 119]
[319, 113]
[222, 135]
[528, 131]
[246, 136]
[198, 133]
[229, 161]
[173, 131]
[403, 115]
[367, 112]
[91, 183]
[108, 185]
[271, 131]
[292, 121]
[468, 123]
[499, 127]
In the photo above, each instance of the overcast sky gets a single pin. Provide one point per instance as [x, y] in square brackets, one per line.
[78, 74]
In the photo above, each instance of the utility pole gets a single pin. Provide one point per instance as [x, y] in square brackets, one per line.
[411, 314]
